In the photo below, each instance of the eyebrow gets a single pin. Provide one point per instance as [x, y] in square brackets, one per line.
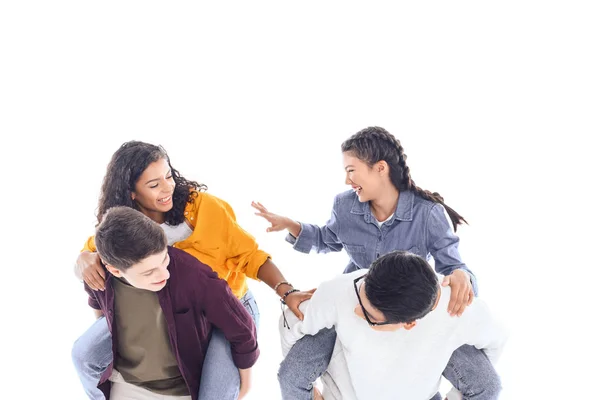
[150, 270]
[348, 166]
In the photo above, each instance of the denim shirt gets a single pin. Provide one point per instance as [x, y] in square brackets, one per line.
[418, 225]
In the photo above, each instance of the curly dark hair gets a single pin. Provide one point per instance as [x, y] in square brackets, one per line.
[374, 144]
[125, 168]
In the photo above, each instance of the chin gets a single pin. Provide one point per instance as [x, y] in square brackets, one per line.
[362, 198]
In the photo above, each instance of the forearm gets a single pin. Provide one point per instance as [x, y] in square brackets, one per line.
[271, 275]
[245, 381]
[293, 227]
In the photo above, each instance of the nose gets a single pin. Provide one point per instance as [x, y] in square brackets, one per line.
[167, 186]
[348, 180]
[164, 274]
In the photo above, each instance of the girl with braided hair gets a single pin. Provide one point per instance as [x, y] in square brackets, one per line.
[385, 211]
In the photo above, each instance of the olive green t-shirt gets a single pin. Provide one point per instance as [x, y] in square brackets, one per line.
[144, 355]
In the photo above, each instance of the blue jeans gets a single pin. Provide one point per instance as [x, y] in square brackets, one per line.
[92, 354]
[468, 370]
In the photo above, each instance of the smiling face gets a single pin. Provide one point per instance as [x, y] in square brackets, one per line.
[150, 274]
[154, 190]
[367, 182]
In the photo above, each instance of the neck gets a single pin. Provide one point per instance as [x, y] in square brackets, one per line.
[384, 206]
[156, 216]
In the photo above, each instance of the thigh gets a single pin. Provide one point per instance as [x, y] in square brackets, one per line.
[220, 377]
[309, 357]
[95, 345]
[469, 370]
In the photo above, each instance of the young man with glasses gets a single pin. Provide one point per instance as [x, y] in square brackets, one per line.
[394, 336]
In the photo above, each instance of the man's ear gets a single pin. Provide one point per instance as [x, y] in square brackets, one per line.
[409, 325]
[115, 271]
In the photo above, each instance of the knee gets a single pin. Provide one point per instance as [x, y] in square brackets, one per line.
[292, 374]
[493, 385]
[78, 355]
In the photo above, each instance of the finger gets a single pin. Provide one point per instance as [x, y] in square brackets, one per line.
[306, 296]
[98, 280]
[471, 296]
[453, 298]
[460, 301]
[91, 282]
[464, 303]
[312, 290]
[259, 206]
[446, 280]
[297, 312]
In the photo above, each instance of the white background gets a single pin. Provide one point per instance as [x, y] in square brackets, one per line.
[497, 106]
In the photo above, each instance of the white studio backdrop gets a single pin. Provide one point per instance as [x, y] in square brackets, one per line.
[496, 106]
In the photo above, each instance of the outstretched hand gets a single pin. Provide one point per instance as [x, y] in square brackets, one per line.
[278, 222]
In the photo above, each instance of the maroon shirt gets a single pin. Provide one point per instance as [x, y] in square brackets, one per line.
[193, 301]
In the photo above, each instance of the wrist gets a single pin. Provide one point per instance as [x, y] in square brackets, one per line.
[293, 227]
[282, 287]
[286, 294]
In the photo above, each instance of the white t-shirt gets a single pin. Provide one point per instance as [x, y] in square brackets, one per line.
[176, 233]
[405, 364]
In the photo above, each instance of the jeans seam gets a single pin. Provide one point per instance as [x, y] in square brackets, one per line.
[466, 392]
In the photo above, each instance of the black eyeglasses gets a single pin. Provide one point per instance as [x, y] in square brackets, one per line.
[371, 323]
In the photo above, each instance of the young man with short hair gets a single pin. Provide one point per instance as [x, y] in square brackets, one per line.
[161, 304]
[394, 336]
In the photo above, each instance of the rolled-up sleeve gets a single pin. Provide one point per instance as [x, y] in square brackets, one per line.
[227, 313]
[322, 239]
[442, 243]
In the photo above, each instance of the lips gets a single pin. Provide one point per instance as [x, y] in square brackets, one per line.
[165, 200]
[161, 282]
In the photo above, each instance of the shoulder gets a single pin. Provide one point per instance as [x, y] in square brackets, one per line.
[427, 209]
[345, 200]
[209, 207]
[184, 267]
[203, 200]
[341, 283]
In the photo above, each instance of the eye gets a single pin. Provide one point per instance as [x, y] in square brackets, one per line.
[154, 186]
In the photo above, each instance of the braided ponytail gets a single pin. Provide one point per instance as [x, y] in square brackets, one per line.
[374, 144]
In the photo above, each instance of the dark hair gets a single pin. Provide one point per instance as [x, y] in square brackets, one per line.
[125, 237]
[402, 286]
[125, 168]
[374, 144]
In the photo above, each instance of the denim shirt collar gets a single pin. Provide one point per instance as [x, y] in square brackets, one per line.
[404, 208]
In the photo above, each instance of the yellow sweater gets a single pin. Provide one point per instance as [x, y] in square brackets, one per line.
[219, 242]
